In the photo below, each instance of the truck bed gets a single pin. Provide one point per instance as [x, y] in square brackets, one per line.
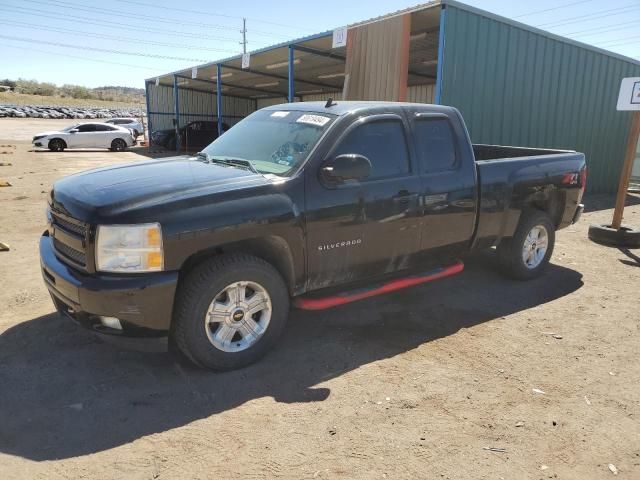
[498, 152]
[512, 178]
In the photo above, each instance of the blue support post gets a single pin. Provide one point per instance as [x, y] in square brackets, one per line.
[292, 85]
[219, 97]
[176, 111]
[441, 43]
[149, 129]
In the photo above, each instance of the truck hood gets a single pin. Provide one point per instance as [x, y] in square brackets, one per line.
[112, 190]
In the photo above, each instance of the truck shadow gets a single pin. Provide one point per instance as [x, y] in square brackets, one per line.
[65, 393]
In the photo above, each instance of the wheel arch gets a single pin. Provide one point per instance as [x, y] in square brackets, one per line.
[273, 249]
[548, 199]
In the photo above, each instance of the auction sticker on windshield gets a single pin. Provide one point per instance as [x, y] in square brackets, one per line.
[318, 120]
[279, 114]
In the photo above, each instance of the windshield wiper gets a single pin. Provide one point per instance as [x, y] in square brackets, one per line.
[236, 162]
[203, 156]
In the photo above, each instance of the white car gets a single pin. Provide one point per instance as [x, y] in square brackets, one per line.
[130, 123]
[86, 135]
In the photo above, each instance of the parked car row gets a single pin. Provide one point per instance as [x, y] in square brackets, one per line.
[23, 111]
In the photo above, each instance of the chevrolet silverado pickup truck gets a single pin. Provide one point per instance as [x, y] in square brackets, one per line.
[314, 204]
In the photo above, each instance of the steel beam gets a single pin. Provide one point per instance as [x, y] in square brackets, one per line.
[176, 111]
[441, 45]
[219, 97]
[292, 75]
[146, 96]
[279, 77]
[196, 79]
[321, 53]
[337, 56]
[253, 89]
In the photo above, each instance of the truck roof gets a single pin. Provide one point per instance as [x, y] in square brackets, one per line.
[342, 107]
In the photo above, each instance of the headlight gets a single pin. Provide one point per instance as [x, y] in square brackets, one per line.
[129, 248]
[38, 137]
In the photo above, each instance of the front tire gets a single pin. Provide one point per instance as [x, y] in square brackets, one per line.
[526, 255]
[57, 145]
[118, 145]
[230, 311]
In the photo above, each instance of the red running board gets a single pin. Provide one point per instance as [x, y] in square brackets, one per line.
[391, 286]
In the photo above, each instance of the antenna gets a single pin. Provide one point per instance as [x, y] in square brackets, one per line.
[330, 103]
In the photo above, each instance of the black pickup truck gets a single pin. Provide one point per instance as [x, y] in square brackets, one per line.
[319, 203]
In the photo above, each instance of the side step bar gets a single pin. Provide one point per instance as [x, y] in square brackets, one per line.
[322, 303]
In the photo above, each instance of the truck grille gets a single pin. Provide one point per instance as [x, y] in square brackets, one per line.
[70, 253]
[69, 240]
[78, 229]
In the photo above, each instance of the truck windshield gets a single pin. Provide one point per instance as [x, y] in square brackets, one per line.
[272, 141]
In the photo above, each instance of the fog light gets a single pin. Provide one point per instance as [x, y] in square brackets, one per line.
[111, 322]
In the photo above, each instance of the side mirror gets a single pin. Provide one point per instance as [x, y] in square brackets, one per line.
[75, 130]
[350, 166]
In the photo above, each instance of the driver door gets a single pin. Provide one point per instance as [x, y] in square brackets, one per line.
[362, 229]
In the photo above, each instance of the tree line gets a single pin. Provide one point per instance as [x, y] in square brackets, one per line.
[108, 93]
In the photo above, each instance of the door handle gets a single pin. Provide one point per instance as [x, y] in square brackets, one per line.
[403, 197]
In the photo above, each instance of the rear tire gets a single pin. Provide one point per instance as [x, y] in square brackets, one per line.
[118, 145]
[526, 255]
[57, 145]
[230, 311]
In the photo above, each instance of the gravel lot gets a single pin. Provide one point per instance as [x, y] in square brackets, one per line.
[417, 384]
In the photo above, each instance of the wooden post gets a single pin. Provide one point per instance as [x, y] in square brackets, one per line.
[626, 170]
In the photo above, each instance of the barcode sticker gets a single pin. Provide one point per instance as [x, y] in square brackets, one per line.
[317, 120]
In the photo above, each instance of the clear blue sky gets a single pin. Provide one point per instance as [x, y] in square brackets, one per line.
[80, 27]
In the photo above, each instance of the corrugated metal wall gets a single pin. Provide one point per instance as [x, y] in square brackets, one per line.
[267, 102]
[378, 60]
[194, 105]
[421, 93]
[518, 87]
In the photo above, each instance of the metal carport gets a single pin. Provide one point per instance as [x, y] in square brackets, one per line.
[305, 69]
[514, 84]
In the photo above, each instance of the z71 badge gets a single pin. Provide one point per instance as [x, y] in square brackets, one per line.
[346, 243]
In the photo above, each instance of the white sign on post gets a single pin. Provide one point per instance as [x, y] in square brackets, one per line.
[194, 72]
[629, 98]
[246, 60]
[339, 37]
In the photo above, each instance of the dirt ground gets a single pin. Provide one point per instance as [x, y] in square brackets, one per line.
[416, 384]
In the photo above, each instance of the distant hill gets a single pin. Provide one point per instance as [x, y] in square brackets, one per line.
[119, 94]
[106, 93]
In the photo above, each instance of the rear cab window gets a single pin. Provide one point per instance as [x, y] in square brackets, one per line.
[435, 144]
